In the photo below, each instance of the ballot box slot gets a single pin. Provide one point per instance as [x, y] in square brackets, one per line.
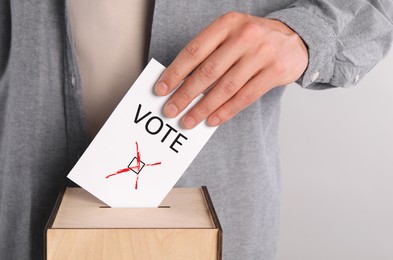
[107, 207]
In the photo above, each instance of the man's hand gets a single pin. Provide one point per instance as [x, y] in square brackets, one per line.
[242, 57]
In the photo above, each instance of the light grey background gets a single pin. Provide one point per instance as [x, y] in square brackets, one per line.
[337, 170]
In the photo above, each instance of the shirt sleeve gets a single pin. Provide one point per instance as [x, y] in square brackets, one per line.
[345, 39]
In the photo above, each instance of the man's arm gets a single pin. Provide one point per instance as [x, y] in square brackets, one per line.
[345, 39]
[245, 56]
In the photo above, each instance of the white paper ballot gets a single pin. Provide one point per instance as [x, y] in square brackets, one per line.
[139, 154]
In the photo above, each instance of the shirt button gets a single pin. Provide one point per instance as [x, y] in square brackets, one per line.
[314, 76]
[73, 81]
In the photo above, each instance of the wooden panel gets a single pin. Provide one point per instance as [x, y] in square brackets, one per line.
[81, 229]
[102, 244]
[216, 221]
[188, 209]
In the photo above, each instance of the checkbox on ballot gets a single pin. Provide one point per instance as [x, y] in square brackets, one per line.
[134, 165]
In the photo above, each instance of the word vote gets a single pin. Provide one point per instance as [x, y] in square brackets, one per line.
[154, 125]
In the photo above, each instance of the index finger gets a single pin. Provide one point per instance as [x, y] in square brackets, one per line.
[191, 56]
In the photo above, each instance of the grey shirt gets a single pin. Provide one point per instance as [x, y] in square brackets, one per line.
[43, 131]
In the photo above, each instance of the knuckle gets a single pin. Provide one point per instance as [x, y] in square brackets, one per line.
[172, 73]
[202, 110]
[227, 87]
[226, 113]
[192, 49]
[246, 98]
[251, 28]
[184, 97]
[231, 16]
[208, 70]
[249, 32]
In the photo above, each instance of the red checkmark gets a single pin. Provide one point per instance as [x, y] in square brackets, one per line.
[137, 167]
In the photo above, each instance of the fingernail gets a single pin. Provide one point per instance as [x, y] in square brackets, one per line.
[214, 121]
[161, 88]
[189, 122]
[171, 110]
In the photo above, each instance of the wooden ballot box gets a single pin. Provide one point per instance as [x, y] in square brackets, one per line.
[184, 226]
